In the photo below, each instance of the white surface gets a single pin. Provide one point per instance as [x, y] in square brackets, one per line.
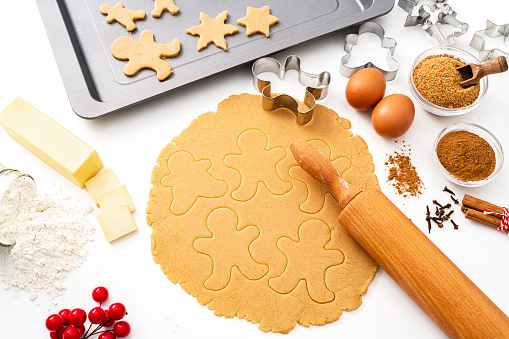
[130, 142]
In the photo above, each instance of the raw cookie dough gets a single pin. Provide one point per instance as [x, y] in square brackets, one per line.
[258, 20]
[122, 15]
[240, 226]
[212, 30]
[145, 54]
[164, 5]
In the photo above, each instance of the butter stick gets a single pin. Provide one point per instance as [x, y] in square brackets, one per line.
[50, 142]
[1, 167]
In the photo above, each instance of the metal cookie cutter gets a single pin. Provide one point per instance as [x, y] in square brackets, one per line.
[492, 30]
[389, 43]
[446, 16]
[317, 87]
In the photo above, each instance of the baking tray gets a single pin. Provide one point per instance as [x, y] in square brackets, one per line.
[95, 83]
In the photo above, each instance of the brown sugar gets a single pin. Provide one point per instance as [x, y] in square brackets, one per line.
[402, 173]
[438, 81]
[466, 156]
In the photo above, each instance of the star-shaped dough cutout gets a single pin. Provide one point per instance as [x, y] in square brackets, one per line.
[258, 20]
[212, 30]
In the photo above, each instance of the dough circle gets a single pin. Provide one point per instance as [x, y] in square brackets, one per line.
[245, 230]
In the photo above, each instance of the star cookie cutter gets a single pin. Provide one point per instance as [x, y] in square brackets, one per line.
[389, 43]
[317, 87]
[492, 30]
[446, 16]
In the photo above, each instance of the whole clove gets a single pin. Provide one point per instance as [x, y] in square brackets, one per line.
[437, 212]
[456, 201]
[454, 224]
[427, 211]
[428, 219]
[446, 206]
[448, 190]
[437, 203]
[448, 215]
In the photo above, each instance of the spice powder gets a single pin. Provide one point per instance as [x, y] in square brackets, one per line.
[402, 173]
[466, 156]
[438, 81]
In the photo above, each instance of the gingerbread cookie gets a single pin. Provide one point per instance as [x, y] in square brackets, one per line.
[258, 20]
[145, 54]
[212, 30]
[123, 16]
[164, 5]
[241, 227]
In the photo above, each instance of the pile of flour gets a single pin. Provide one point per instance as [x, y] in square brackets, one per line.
[50, 232]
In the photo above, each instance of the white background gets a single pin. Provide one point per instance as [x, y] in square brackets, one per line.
[130, 141]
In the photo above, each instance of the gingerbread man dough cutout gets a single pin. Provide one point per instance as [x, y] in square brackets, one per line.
[164, 5]
[122, 15]
[145, 54]
[182, 166]
[222, 223]
[258, 20]
[254, 155]
[212, 30]
[310, 252]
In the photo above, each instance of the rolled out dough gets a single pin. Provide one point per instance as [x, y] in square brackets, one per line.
[240, 226]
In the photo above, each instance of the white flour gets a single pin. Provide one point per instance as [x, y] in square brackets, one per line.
[50, 231]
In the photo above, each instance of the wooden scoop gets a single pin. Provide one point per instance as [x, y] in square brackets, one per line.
[472, 73]
[447, 296]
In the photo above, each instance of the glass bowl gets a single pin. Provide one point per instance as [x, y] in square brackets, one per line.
[439, 110]
[483, 133]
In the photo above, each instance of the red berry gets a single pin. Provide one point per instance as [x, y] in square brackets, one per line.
[108, 322]
[96, 315]
[117, 311]
[107, 335]
[82, 329]
[100, 294]
[54, 322]
[122, 329]
[53, 335]
[71, 332]
[65, 315]
[77, 317]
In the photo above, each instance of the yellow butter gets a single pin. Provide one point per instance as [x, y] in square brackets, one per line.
[115, 197]
[1, 167]
[50, 142]
[116, 222]
[101, 183]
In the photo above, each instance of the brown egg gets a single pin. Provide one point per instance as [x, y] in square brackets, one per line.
[393, 116]
[365, 89]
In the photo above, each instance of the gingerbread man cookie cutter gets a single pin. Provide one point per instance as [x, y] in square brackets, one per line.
[389, 43]
[492, 30]
[317, 87]
[446, 16]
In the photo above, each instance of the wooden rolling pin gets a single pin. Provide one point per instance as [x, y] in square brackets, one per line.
[447, 296]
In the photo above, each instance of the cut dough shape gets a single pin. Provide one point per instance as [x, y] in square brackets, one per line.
[164, 5]
[253, 145]
[212, 30]
[183, 169]
[208, 246]
[258, 20]
[222, 223]
[123, 16]
[309, 252]
[145, 54]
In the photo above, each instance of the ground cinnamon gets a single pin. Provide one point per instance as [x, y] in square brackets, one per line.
[466, 156]
[402, 173]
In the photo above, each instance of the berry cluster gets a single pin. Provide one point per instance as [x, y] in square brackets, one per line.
[70, 324]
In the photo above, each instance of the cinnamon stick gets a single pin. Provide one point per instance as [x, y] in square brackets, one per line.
[478, 216]
[481, 205]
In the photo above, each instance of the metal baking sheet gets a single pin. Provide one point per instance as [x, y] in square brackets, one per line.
[81, 38]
